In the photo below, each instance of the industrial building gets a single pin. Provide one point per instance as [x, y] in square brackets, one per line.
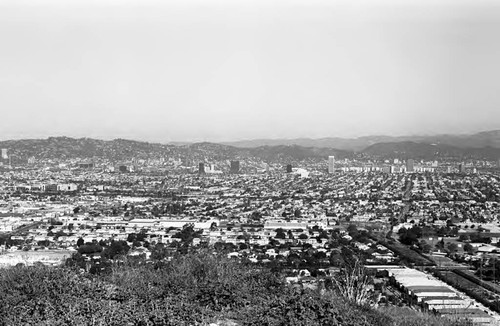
[431, 294]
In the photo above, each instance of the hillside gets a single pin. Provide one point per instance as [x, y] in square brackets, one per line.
[196, 289]
[57, 148]
[65, 147]
[121, 149]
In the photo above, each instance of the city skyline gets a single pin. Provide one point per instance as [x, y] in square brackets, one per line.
[223, 71]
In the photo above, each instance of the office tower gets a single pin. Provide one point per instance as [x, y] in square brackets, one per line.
[499, 162]
[201, 168]
[5, 155]
[235, 167]
[461, 168]
[331, 164]
[410, 166]
[288, 168]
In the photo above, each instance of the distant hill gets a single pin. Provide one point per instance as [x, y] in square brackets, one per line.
[408, 149]
[66, 148]
[477, 140]
[122, 150]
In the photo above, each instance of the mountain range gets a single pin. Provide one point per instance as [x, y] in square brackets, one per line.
[123, 150]
[484, 145]
[476, 140]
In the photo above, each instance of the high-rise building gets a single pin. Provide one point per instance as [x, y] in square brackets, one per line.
[5, 154]
[410, 165]
[461, 168]
[289, 168]
[331, 164]
[235, 167]
[201, 168]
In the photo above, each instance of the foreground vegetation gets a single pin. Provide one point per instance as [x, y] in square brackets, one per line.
[195, 289]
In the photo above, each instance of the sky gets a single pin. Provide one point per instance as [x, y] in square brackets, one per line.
[222, 70]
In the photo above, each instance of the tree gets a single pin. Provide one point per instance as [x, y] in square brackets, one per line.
[352, 230]
[424, 246]
[116, 248]
[452, 247]
[159, 252]
[407, 237]
[280, 233]
[89, 248]
[80, 242]
[131, 237]
[142, 235]
[43, 243]
[464, 238]
[187, 234]
[440, 244]
[469, 249]
[410, 236]
[155, 211]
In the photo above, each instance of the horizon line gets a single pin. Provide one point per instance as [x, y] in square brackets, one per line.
[193, 141]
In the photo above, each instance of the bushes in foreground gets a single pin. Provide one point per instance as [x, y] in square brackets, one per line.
[195, 289]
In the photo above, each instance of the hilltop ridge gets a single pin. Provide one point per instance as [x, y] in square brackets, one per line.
[476, 140]
[485, 145]
[120, 149]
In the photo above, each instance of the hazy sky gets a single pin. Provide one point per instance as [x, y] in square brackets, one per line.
[227, 70]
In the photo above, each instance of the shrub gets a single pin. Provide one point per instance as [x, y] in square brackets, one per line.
[194, 289]
[352, 283]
